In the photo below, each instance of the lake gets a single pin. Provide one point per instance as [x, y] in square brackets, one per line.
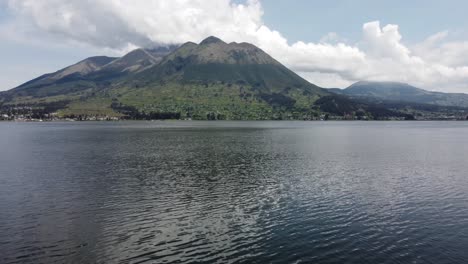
[234, 192]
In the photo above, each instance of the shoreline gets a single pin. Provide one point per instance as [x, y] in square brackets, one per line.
[234, 120]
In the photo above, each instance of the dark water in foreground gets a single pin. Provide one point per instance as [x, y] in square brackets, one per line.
[226, 192]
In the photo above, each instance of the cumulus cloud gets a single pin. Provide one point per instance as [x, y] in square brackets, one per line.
[120, 23]
[439, 49]
[379, 55]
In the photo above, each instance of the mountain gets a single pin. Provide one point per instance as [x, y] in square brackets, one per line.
[225, 80]
[138, 60]
[214, 61]
[90, 73]
[402, 92]
[209, 80]
[74, 71]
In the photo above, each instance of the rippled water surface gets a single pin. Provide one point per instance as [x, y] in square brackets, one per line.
[234, 192]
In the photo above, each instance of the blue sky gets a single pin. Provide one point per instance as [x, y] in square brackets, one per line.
[309, 20]
[330, 43]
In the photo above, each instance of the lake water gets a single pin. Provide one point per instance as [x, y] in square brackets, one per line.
[234, 192]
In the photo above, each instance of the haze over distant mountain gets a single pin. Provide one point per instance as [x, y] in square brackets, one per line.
[402, 92]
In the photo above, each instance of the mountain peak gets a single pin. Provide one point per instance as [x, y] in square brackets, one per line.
[381, 83]
[213, 50]
[210, 40]
[139, 59]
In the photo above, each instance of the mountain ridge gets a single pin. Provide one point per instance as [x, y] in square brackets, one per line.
[403, 92]
[210, 80]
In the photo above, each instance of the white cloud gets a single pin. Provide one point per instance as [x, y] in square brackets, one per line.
[118, 23]
[439, 49]
[384, 42]
[332, 37]
[327, 79]
[380, 55]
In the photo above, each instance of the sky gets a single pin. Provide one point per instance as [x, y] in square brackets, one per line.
[331, 43]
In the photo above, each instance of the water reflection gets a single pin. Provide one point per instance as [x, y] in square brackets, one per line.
[234, 192]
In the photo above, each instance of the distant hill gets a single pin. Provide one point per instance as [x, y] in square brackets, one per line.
[402, 92]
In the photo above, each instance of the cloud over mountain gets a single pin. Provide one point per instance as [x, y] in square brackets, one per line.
[124, 24]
